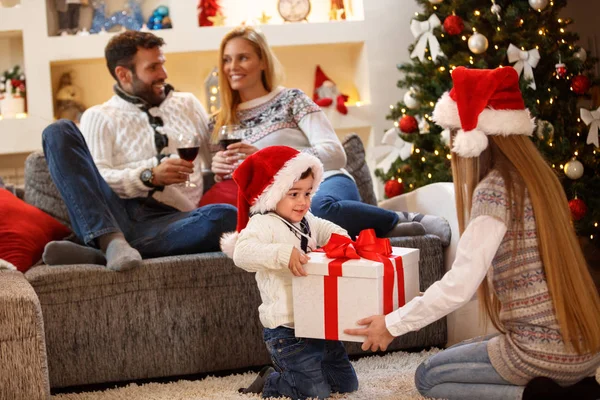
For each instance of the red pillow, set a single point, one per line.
(25, 231)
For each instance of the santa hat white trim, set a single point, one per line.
(490, 122)
(285, 179)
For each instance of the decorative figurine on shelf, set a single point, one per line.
(68, 99)
(131, 18)
(160, 19)
(294, 10)
(12, 103)
(326, 91)
(337, 11)
(68, 15)
(206, 9)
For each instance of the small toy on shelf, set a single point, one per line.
(326, 92)
(68, 99)
(68, 16)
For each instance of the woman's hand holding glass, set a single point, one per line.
(233, 152)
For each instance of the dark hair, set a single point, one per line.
(121, 49)
(306, 174)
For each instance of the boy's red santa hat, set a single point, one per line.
(482, 102)
(263, 179)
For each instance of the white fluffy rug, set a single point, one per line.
(388, 377)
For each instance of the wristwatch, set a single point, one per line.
(147, 176)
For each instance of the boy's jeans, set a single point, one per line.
(307, 367)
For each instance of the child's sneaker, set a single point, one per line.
(259, 382)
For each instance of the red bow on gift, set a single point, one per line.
(367, 245)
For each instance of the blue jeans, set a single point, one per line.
(307, 367)
(153, 228)
(338, 201)
(464, 372)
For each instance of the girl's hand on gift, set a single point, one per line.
(378, 336)
(296, 261)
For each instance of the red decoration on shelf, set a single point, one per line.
(454, 25)
(580, 84)
(393, 188)
(408, 124)
(561, 70)
(207, 8)
(577, 207)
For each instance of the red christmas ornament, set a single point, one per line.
(580, 84)
(577, 207)
(408, 124)
(561, 70)
(207, 8)
(393, 188)
(453, 25)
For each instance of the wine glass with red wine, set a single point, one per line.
(229, 134)
(189, 145)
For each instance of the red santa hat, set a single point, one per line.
(483, 102)
(263, 179)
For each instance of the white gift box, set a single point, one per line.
(326, 304)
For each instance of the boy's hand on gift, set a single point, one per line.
(296, 260)
(378, 336)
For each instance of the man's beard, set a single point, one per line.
(146, 92)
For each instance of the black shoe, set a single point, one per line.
(547, 389)
(259, 382)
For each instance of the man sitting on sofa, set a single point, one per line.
(124, 192)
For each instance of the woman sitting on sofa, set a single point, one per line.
(272, 115)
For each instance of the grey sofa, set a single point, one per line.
(72, 325)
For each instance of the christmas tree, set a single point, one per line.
(528, 35)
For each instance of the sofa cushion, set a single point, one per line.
(358, 168)
(25, 230)
(40, 190)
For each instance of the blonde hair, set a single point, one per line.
(574, 295)
(230, 99)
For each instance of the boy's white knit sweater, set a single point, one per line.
(265, 247)
(121, 141)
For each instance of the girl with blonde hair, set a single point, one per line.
(517, 245)
(271, 115)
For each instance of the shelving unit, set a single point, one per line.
(352, 53)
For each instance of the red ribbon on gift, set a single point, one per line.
(369, 246)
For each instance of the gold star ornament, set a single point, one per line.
(217, 20)
(264, 18)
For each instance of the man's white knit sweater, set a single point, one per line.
(265, 247)
(121, 141)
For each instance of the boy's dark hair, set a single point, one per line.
(306, 174)
(121, 49)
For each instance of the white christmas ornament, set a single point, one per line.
(409, 99)
(446, 137)
(423, 32)
(478, 43)
(591, 118)
(423, 125)
(525, 61)
(538, 4)
(580, 54)
(393, 147)
(574, 169)
(435, 1)
(496, 10)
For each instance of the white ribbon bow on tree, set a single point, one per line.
(423, 31)
(393, 147)
(525, 61)
(591, 118)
